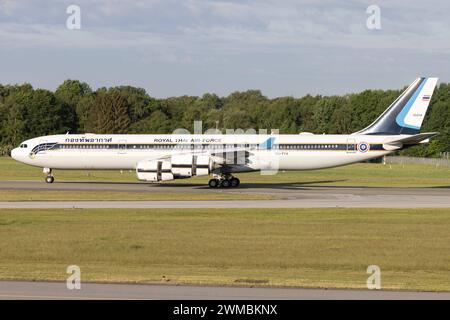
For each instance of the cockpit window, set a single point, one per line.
(24, 145)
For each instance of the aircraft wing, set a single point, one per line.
(409, 140)
(196, 162)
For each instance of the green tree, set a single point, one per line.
(323, 113)
(84, 106)
(69, 94)
(157, 122)
(71, 91)
(240, 109)
(140, 103)
(29, 113)
(109, 113)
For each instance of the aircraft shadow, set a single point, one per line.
(104, 182)
(243, 185)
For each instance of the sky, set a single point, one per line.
(190, 47)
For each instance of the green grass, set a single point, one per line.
(282, 247)
(365, 174)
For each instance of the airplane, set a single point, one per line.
(163, 157)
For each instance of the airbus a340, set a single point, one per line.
(160, 157)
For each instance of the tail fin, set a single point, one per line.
(405, 115)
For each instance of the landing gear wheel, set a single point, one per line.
(223, 180)
(226, 183)
(213, 183)
(49, 179)
(235, 182)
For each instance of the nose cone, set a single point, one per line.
(13, 153)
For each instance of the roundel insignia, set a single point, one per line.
(363, 147)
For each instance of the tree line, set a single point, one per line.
(26, 112)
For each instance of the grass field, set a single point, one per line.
(286, 247)
(375, 175)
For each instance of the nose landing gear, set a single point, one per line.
(49, 178)
(224, 181)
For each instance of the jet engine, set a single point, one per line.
(185, 166)
(154, 170)
(175, 167)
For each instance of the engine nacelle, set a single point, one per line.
(188, 165)
(154, 170)
(178, 166)
(182, 165)
(203, 165)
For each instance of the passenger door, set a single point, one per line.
(351, 145)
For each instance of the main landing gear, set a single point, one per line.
(224, 181)
(49, 178)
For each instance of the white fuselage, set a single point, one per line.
(286, 152)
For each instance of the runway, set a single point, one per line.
(288, 196)
(58, 290)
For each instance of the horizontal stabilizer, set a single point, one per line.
(409, 140)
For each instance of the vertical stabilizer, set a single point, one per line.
(405, 115)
